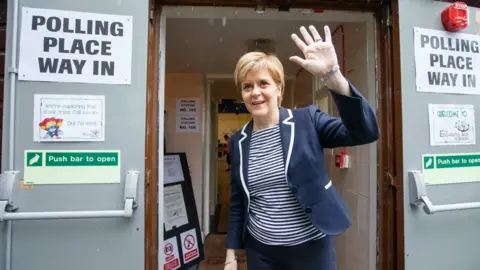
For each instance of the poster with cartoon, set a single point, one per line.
(69, 118)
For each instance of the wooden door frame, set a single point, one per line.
(390, 234)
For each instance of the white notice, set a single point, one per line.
(172, 169)
(71, 46)
(447, 62)
(188, 123)
(172, 256)
(188, 106)
(451, 124)
(174, 209)
(189, 241)
(68, 118)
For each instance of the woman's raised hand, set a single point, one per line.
(320, 56)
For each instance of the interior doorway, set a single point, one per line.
(208, 40)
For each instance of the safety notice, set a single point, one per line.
(71, 46)
(451, 168)
(171, 254)
(189, 245)
(71, 167)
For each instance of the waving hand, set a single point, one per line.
(320, 56)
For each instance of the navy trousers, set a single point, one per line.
(313, 255)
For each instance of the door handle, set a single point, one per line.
(9, 180)
(418, 196)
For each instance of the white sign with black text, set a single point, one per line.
(451, 124)
(186, 123)
(447, 62)
(71, 46)
(188, 106)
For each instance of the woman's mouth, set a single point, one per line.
(255, 103)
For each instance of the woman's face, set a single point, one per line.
(260, 93)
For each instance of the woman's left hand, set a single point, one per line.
(320, 56)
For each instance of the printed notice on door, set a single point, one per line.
(53, 167)
(71, 46)
(451, 124)
(68, 118)
(439, 169)
(447, 62)
(175, 211)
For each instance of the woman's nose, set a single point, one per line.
(256, 91)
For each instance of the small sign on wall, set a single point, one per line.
(71, 46)
(451, 124)
(188, 115)
(187, 123)
(189, 106)
(447, 62)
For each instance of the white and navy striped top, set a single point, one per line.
(276, 217)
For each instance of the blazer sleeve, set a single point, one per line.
(356, 125)
(237, 207)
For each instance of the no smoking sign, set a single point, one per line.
(189, 246)
(189, 242)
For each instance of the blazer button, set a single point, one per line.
(308, 210)
(294, 189)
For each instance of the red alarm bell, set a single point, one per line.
(342, 161)
(455, 17)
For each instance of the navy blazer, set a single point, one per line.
(304, 132)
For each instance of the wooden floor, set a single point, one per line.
(224, 195)
(214, 247)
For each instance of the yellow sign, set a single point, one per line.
(71, 167)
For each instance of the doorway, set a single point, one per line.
(202, 43)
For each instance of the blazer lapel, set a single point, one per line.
(287, 130)
(244, 149)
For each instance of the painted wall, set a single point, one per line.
(448, 240)
(102, 243)
(356, 248)
(186, 86)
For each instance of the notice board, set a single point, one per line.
(182, 245)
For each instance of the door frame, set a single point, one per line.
(390, 235)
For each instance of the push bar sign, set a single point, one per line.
(78, 47)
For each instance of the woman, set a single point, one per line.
(284, 210)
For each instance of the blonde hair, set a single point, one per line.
(255, 61)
